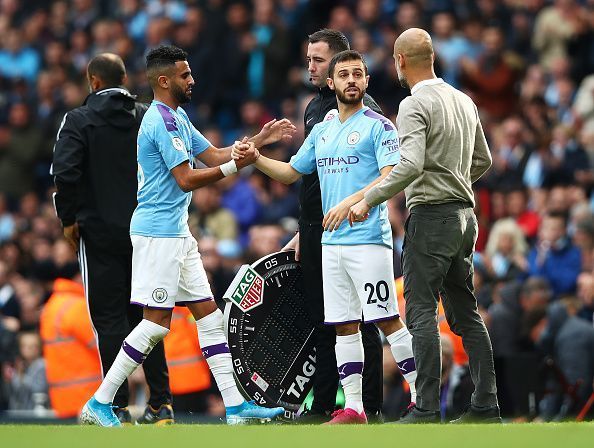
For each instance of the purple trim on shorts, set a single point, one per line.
(340, 323)
(193, 301)
(217, 349)
(168, 118)
(137, 357)
(395, 316)
(407, 366)
(151, 306)
(350, 368)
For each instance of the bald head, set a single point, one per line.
(107, 69)
(416, 46)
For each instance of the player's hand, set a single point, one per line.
(293, 245)
(251, 155)
(274, 130)
(359, 212)
(336, 215)
(239, 149)
(72, 236)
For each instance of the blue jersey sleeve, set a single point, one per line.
(387, 146)
(305, 159)
(199, 142)
(168, 140)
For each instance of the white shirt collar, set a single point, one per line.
(425, 82)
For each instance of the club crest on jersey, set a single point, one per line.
(353, 138)
(247, 289)
(160, 295)
(178, 144)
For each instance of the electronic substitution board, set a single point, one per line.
(269, 332)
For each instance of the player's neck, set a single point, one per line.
(165, 99)
(345, 111)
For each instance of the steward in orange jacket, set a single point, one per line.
(71, 358)
(188, 370)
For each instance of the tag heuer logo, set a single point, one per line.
(250, 290)
(353, 138)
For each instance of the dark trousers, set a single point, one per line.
(437, 261)
(107, 278)
(325, 381)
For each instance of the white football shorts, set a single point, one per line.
(358, 283)
(167, 271)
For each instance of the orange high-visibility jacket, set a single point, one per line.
(188, 370)
(72, 361)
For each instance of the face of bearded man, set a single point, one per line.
(349, 96)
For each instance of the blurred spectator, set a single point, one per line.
(264, 239)
(209, 218)
(266, 44)
(69, 348)
(16, 59)
(7, 226)
(9, 305)
(517, 207)
(240, 198)
(28, 389)
(19, 153)
(554, 257)
(506, 250)
(491, 79)
(569, 340)
(555, 26)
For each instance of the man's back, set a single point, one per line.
(447, 135)
(95, 165)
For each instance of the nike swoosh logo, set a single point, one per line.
(307, 122)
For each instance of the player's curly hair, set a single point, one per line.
(161, 59)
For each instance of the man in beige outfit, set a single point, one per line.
(443, 151)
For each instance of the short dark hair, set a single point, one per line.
(343, 56)
(335, 39)
(109, 68)
(563, 216)
(161, 59)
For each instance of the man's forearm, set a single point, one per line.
(393, 183)
(281, 171)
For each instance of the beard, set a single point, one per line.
(401, 78)
(344, 99)
(179, 95)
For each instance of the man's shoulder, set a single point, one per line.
(375, 118)
(371, 103)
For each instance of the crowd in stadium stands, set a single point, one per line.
(529, 66)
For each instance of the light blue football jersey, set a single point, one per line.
(166, 138)
(349, 156)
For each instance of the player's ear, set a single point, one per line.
(163, 82)
(367, 81)
(330, 83)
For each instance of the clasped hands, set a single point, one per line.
(347, 208)
(271, 132)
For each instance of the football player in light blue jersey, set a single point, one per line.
(166, 265)
(352, 151)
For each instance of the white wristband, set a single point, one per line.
(228, 168)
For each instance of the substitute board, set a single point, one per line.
(269, 332)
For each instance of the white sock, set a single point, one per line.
(137, 345)
(349, 359)
(216, 352)
(401, 344)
